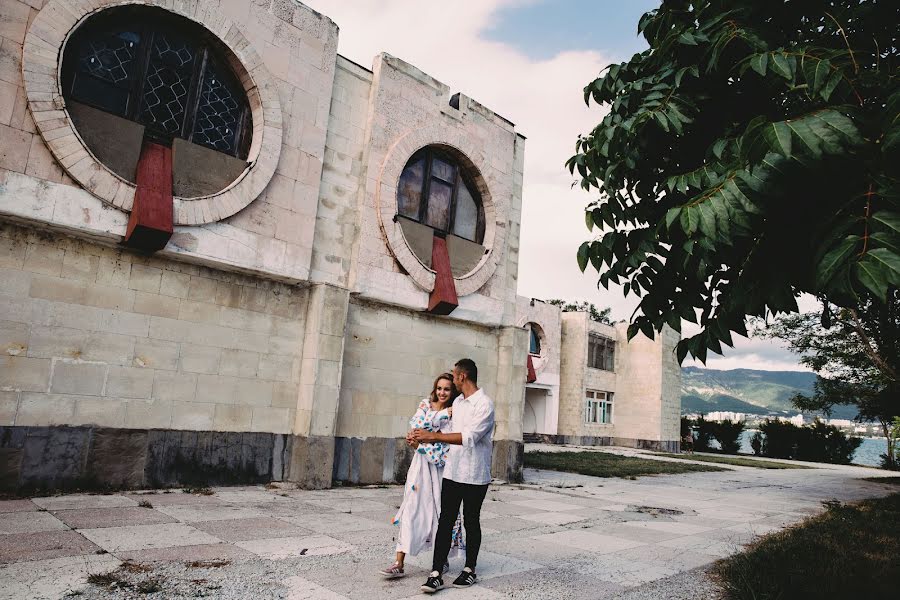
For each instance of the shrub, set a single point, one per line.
(704, 433)
(728, 434)
(686, 426)
(817, 443)
(756, 442)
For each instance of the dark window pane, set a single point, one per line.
(218, 112)
(168, 79)
(438, 213)
(465, 222)
(409, 190)
(105, 70)
(535, 347)
(443, 170)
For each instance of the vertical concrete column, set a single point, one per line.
(509, 403)
(312, 451)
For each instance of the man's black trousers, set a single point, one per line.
(452, 495)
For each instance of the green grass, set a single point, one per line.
(884, 480)
(736, 460)
(850, 551)
(604, 464)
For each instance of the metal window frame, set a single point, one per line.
(147, 22)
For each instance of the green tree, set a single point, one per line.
(748, 156)
(857, 358)
(598, 315)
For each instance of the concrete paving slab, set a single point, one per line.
(547, 505)
(280, 548)
(201, 552)
(143, 537)
(477, 592)
(628, 572)
(43, 545)
(303, 589)
(589, 540)
(552, 584)
(11, 506)
(675, 558)
(95, 518)
(350, 505)
(650, 536)
(51, 578)
(29, 522)
(249, 496)
(336, 522)
(210, 512)
(675, 527)
(176, 497)
(554, 518)
(702, 545)
(84, 501)
(239, 530)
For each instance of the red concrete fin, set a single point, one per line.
(530, 376)
(150, 223)
(443, 297)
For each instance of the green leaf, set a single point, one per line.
(881, 239)
(833, 81)
(671, 215)
(817, 72)
(719, 147)
(887, 221)
(690, 219)
(835, 260)
(707, 219)
(589, 220)
(888, 262)
(758, 63)
(871, 277)
(583, 255)
(781, 64)
(778, 136)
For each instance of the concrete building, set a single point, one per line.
(230, 254)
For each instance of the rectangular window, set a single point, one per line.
(598, 407)
(601, 353)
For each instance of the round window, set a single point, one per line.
(134, 74)
(437, 196)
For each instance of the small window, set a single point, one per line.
(601, 353)
(598, 407)
(534, 347)
(434, 191)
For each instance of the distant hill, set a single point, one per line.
(748, 391)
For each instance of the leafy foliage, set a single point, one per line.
(598, 315)
(857, 359)
(748, 156)
(728, 434)
(817, 442)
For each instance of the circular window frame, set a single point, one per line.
(473, 160)
(42, 54)
(539, 361)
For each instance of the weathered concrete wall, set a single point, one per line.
(646, 386)
(95, 336)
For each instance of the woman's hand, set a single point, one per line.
(411, 442)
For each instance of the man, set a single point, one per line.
(466, 475)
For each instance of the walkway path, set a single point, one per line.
(558, 536)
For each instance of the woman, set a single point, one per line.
(419, 512)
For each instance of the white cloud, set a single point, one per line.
(542, 97)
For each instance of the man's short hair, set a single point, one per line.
(467, 366)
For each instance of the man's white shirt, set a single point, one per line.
(473, 417)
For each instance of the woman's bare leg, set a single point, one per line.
(400, 557)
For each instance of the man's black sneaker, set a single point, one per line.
(433, 584)
(465, 579)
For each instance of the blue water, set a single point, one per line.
(869, 452)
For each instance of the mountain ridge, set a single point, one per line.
(752, 391)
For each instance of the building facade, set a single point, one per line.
(230, 254)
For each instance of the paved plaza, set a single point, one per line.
(556, 536)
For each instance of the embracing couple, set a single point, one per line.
(452, 434)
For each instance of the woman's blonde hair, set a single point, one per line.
(453, 391)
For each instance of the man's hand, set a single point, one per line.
(421, 436)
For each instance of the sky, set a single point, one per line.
(528, 61)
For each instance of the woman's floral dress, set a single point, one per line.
(418, 514)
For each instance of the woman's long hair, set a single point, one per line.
(453, 391)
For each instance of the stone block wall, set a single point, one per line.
(96, 336)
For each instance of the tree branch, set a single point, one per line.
(869, 349)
